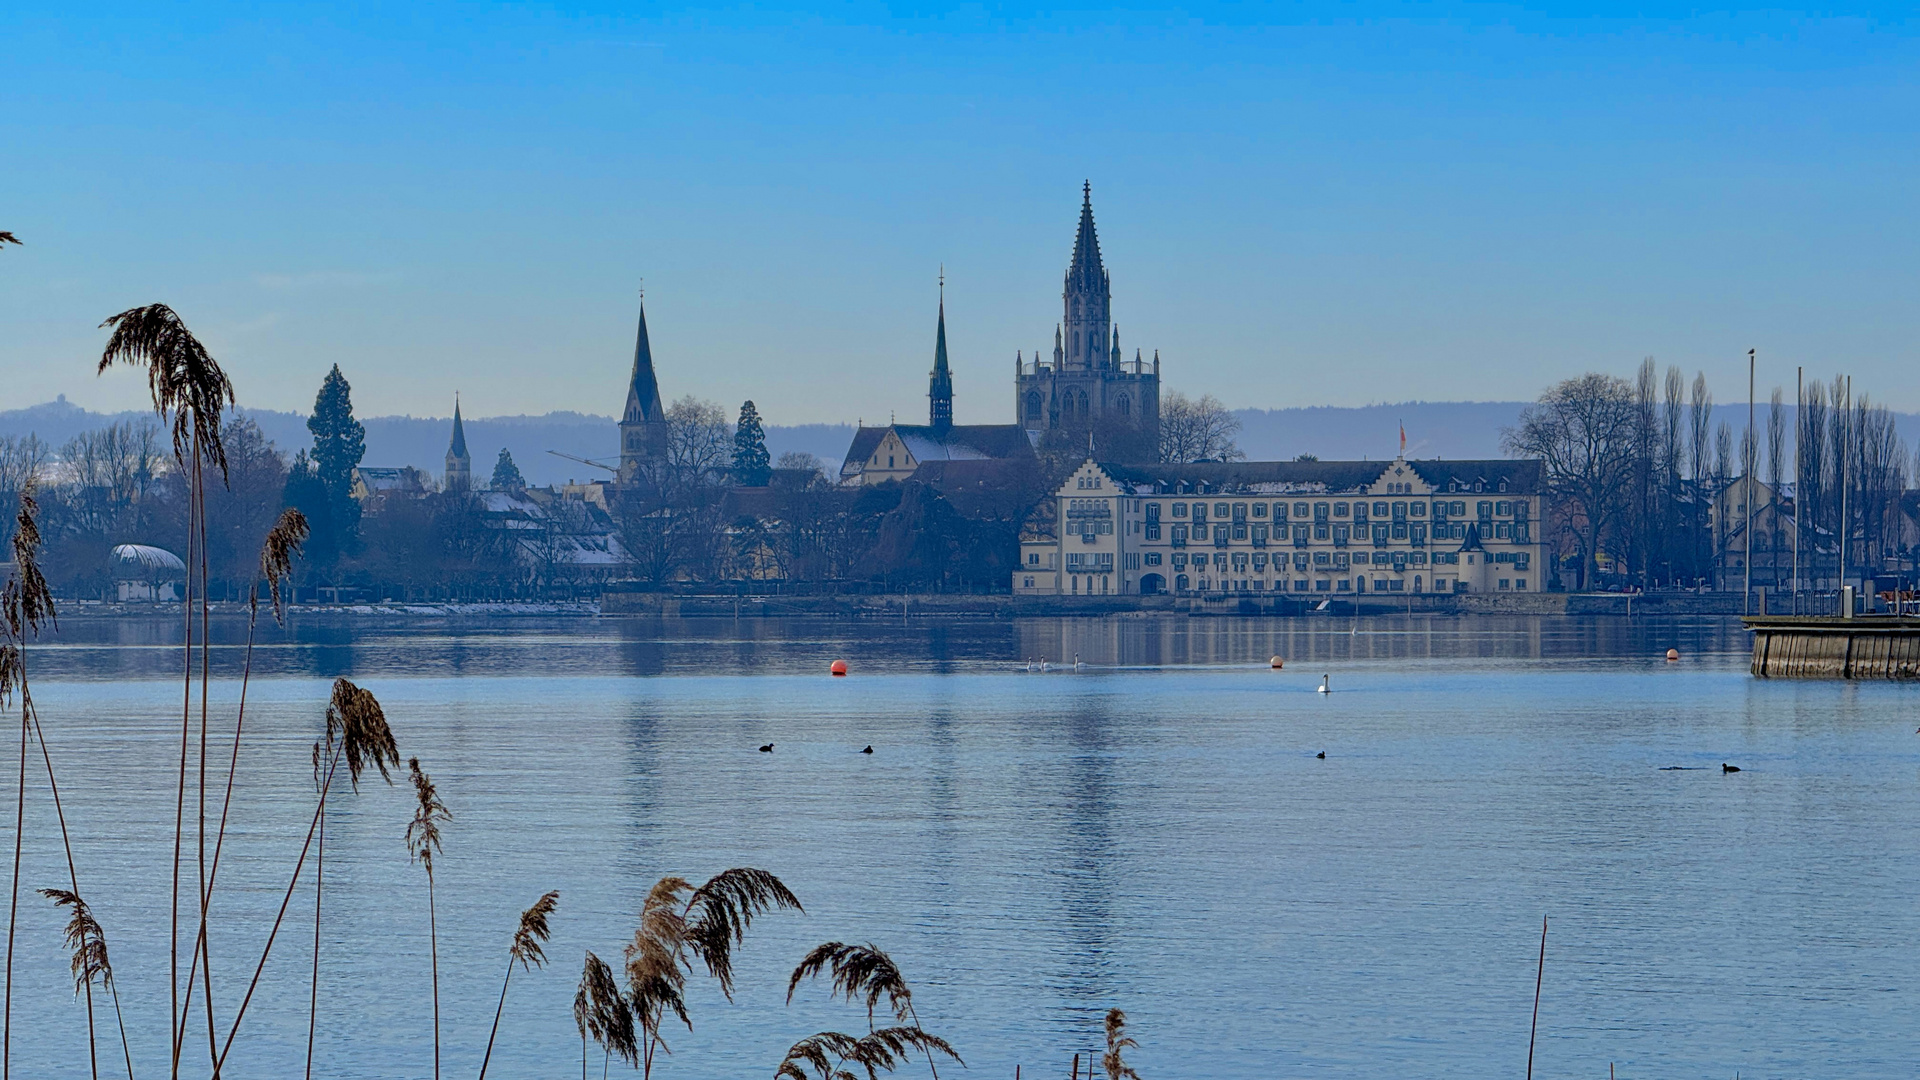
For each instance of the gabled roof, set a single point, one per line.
(961, 442)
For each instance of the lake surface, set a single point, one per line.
(1152, 831)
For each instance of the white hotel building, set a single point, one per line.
(1308, 529)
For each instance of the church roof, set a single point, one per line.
(458, 447)
(960, 442)
(643, 394)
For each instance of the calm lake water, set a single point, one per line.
(1152, 832)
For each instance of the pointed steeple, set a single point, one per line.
(458, 447)
(459, 476)
(643, 390)
(1087, 299)
(1086, 243)
(643, 425)
(940, 384)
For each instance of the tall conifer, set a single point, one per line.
(339, 442)
(751, 466)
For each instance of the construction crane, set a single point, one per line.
(586, 461)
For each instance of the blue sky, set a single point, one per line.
(1299, 203)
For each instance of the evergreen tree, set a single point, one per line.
(339, 442)
(305, 493)
(751, 466)
(506, 475)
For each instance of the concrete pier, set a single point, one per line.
(1832, 647)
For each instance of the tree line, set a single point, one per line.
(1635, 467)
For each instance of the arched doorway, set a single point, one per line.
(1151, 584)
(1181, 582)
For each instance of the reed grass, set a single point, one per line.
(680, 923)
(423, 841)
(1118, 1041)
(25, 604)
(866, 972)
(602, 1014)
(188, 385)
(526, 950)
(830, 1052)
(357, 735)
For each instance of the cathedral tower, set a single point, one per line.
(643, 426)
(940, 383)
(1089, 389)
(459, 463)
(1087, 300)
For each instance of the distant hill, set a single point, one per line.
(1445, 429)
(422, 441)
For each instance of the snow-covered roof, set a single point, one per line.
(141, 560)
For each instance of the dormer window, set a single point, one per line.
(1503, 485)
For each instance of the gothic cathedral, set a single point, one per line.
(1089, 387)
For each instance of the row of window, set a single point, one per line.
(1186, 583)
(1382, 533)
(1485, 510)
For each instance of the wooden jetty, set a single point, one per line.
(1835, 647)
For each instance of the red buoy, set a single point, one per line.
(839, 667)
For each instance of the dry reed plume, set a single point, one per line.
(90, 962)
(423, 840)
(601, 1013)
(526, 950)
(673, 932)
(830, 1052)
(182, 377)
(866, 972)
(1117, 1041)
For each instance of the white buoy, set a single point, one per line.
(1324, 688)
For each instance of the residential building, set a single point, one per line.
(1307, 529)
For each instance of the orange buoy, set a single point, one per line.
(1672, 655)
(839, 667)
(1276, 663)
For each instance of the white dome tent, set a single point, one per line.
(145, 573)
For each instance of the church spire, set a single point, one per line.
(643, 426)
(1087, 299)
(940, 384)
(643, 390)
(459, 476)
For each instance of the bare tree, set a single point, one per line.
(22, 461)
(1197, 430)
(1582, 430)
(1700, 426)
(699, 438)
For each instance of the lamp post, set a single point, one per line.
(1750, 450)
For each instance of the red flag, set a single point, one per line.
(1403, 438)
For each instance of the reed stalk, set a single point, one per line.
(357, 736)
(187, 385)
(866, 972)
(25, 603)
(1117, 1041)
(423, 842)
(526, 951)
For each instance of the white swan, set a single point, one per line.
(1324, 688)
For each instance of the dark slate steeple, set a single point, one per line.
(643, 393)
(459, 463)
(940, 384)
(643, 426)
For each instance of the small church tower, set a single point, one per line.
(643, 426)
(940, 384)
(459, 462)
